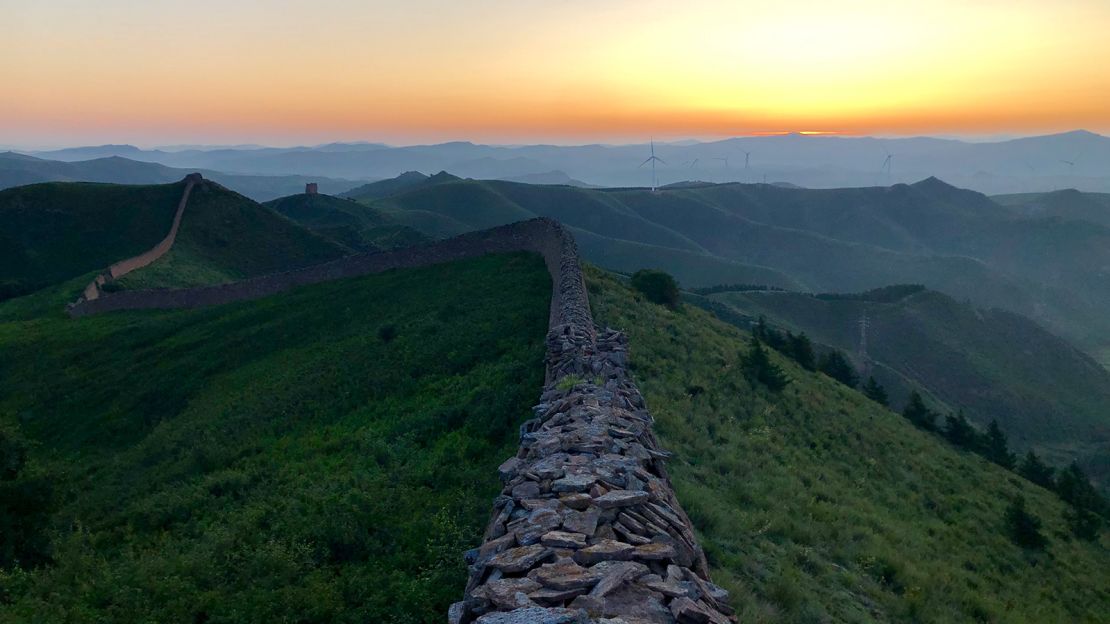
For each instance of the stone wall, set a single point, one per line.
(587, 528)
(123, 267)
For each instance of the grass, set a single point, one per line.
(53, 232)
(993, 364)
(816, 505)
(276, 460)
(226, 237)
(346, 222)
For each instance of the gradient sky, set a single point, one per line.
(281, 72)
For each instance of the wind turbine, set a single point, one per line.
(747, 159)
(723, 159)
(653, 159)
(888, 165)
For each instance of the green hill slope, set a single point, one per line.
(225, 237)
(345, 221)
(53, 232)
(385, 188)
(1067, 204)
(817, 505)
(994, 364)
(324, 455)
(827, 240)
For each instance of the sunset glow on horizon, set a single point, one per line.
(282, 72)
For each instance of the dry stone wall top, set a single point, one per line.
(587, 528)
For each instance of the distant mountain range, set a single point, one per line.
(19, 169)
(1078, 159)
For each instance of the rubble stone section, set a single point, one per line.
(587, 529)
(123, 267)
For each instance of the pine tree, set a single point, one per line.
(835, 365)
(758, 367)
(960, 432)
(801, 349)
(916, 412)
(1036, 471)
(995, 447)
(1075, 489)
(768, 335)
(875, 391)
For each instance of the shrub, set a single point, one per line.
(657, 287)
(1083, 523)
(1023, 527)
(387, 333)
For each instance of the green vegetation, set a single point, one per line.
(816, 504)
(346, 222)
(53, 232)
(819, 240)
(657, 287)
(269, 461)
(994, 365)
(226, 237)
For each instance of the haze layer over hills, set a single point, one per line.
(1077, 159)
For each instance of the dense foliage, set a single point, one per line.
(657, 287)
(282, 460)
(816, 504)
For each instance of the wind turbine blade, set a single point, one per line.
(645, 162)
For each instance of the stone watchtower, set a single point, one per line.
(310, 188)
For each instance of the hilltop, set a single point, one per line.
(50, 233)
(1068, 204)
(993, 364)
(351, 224)
(226, 237)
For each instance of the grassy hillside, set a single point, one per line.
(1067, 204)
(225, 237)
(53, 232)
(817, 505)
(346, 222)
(385, 188)
(994, 364)
(324, 455)
(842, 240)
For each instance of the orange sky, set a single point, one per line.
(282, 72)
